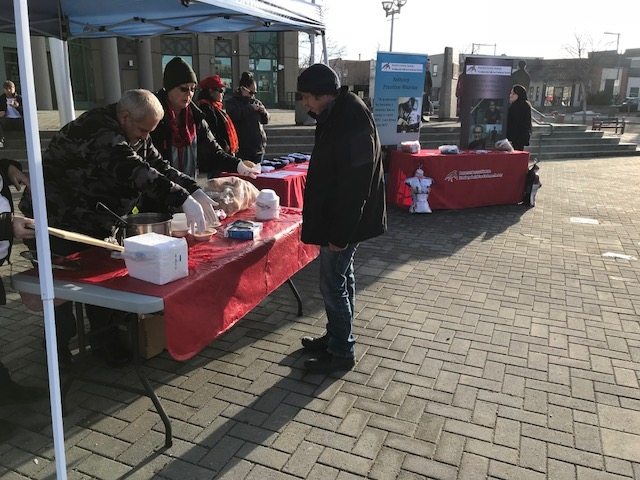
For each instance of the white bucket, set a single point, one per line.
(179, 226)
(267, 205)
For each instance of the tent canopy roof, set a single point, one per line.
(132, 18)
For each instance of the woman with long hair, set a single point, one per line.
(519, 118)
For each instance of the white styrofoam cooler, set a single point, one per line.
(156, 258)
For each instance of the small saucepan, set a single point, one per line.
(138, 223)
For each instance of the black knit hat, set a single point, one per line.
(318, 79)
(176, 73)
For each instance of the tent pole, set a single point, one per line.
(324, 48)
(62, 79)
(34, 155)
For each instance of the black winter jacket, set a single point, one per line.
(519, 123)
(252, 138)
(344, 198)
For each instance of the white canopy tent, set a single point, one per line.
(64, 19)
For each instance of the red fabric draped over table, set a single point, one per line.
(461, 180)
(227, 279)
(287, 182)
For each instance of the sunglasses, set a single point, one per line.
(219, 90)
(250, 92)
(187, 89)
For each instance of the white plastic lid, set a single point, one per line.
(267, 194)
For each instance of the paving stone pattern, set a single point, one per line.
(493, 343)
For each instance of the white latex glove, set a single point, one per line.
(207, 204)
(195, 215)
(252, 172)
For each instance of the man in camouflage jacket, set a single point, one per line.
(106, 155)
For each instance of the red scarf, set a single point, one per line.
(182, 135)
(228, 124)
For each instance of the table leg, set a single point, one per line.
(132, 328)
(297, 295)
(150, 392)
(82, 338)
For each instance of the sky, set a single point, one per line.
(542, 28)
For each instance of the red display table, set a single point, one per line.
(287, 182)
(463, 180)
(227, 279)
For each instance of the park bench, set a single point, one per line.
(611, 123)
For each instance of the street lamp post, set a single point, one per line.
(617, 34)
(474, 45)
(391, 8)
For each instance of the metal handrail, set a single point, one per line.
(541, 115)
(550, 133)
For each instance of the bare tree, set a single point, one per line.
(304, 49)
(582, 69)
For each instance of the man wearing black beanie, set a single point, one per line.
(344, 204)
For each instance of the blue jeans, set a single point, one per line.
(338, 287)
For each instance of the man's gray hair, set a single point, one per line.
(141, 104)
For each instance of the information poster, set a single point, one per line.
(484, 101)
(397, 101)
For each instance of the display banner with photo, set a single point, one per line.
(484, 102)
(397, 100)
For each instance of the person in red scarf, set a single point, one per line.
(183, 136)
(210, 102)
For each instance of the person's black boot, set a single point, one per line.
(315, 344)
(327, 363)
(113, 353)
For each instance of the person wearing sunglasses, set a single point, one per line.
(249, 115)
(183, 136)
(210, 95)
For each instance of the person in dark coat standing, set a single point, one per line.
(344, 204)
(10, 110)
(519, 118)
(249, 115)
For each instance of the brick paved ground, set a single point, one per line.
(493, 343)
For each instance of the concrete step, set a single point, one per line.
(567, 141)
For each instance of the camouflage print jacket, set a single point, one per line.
(90, 161)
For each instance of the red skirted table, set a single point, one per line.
(463, 180)
(287, 182)
(227, 279)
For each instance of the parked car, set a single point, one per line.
(630, 104)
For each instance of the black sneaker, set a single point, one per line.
(12, 392)
(327, 363)
(65, 357)
(315, 344)
(114, 354)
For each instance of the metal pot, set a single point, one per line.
(139, 223)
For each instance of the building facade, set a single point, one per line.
(101, 69)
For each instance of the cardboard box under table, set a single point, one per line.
(463, 180)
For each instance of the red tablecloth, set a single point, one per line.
(460, 181)
(227, 278)
(287, 182)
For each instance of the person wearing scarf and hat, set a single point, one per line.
(183, 136)
(210, 102)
